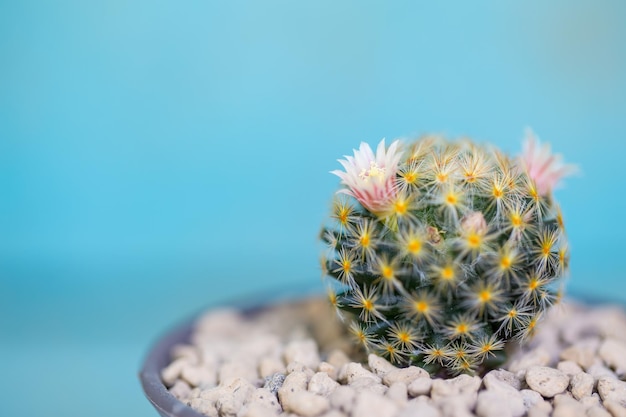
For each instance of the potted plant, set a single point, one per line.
(442, 259)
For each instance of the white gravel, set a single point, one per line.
(294, 360)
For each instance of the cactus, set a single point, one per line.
(442, 252)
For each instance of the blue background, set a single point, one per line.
(160, 156)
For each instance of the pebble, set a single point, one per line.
(404, 375)
(493, 404)
(353, 371)
(262, 397)
(370, 404)
(420, 386)
(581, 385)
(419, 409)
(566, 406)
(582, 352)
(322, 384)
(546, 381)
(271, 365)
(613, 353)
(499, 376)
(398, 393)
(463, 387)
(238, 367)
(303, 351)
(569, 368)
(342, 398)
(307, 404)
(380, 366)
(611, 389)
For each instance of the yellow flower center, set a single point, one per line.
(447, 273)
(401, 207)
(374, 172)
(421, 306)
(387, 272)
(516, 220)
(414, 246)
(365, 241)
(473, 240)
(451, 199)
(484, 296)
(410, 177)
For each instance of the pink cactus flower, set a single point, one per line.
(371, 178)
(542, 166)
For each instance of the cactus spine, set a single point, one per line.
(441, 252)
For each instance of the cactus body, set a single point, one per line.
(441, 252)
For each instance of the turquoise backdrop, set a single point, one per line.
(160, 156)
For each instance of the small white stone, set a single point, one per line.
(531, 399)
(199, 376)
(582, 352)
(235, 395)
(180, 390)
(337, 358)
(294, 383)
(212, 394)
(501, 376)
(405, 375)
(370, 404)
(456, 406)
(509, 399)
(598, 371)
(397, 392)
(271, 365)
(303, 351)
(611, 389)
(368, 385)
(300, 367)
(566, 406)
(613, 353)
(463, 387)
(172, 372)
(540, 410)
(581, 385)
(342, 398)
(598, 411)
(569, 368)
(256, 410)
(420, 386)
(263, 397)
(590, 400)
(203, 406)
(419, 409)
(380, 366)
(351, 371)
(536, 357)
(189, 352)
(234, 369)
(615, 408)
(492, 404)
(334, 413)
(328, 369)
(322, 384)
(307, 404)
(546, 381)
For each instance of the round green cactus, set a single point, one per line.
(443, 251)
